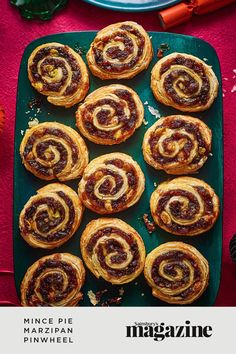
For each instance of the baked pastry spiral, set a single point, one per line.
(113, 250)
(54, 280)
(177, 273)
(58, 72)
(184, 206)
(51, 217)
(184, 82)
(177, 144)
(110, 114)
(111, 183)
(52, 150)
(120, 51)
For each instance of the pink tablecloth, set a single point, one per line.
(218, 28)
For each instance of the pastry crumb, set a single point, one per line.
(154, 112)
(100, 293)
(164, 47)
(160, 53)
(112, 301)
(142, 294)
(22, 132)
(136, 283)
(145, 122)
(155, 184)
(92, 298)
(150, 226)
(145, 103)
(234, 71)
(121, 291)
(35, 103)
(205, 59)
(210, 154)
(150, 37)
(225, 78)
(32, 123)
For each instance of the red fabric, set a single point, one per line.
(217, 28)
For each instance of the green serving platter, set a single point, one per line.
(136, 293)
(133, 5)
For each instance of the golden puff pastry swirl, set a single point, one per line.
(53, 150)
(184, 206)
(120, 51)
(58, 72)
(184, 82)
(177, 273)
(54, 280)
(111, 183)
(110, 114)
(113, 250)
(177, 144)
(51, 217)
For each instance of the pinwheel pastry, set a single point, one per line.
(51, 217)
(120, 51)
(177, 273)
(184, 206)
(111, 183)
(110, 114)
(58, 72)
(113, 250)
(52, 150)
(184, 82)
(177, 144)
(54, 280)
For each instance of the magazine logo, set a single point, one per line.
(161, 331)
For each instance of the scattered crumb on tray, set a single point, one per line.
(32, 123)
(145, 103)
(35, 103)
(164, 47)
(121, 291)
(145, 122)
(160, 53)
(100, 293)
(154, 111)
(112, 301)
(92, 298)
(150, 226)
(22, 132)
(95, 298)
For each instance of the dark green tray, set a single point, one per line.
(138, 292)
